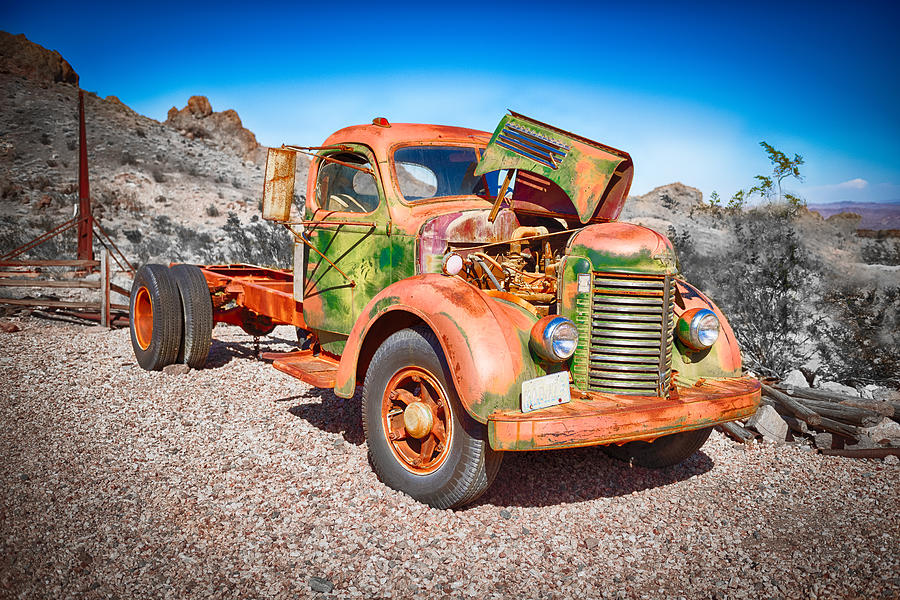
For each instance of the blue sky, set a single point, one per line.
(689, 89)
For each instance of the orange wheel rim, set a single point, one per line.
(143, 318)
(413, 385)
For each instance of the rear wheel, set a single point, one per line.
(662, 452)
(196, 305)
(421, 441)
(156, 321)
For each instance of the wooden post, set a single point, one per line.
(104, 288)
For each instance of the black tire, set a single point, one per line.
(156, 306)
(662, 452)
(196, 306)
(468, 466)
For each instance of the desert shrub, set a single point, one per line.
(861, 344)
(881, 252)
(767, 285)
(162, 224)
(212, 211)
(133, 235)
(127, 158)
(258, 243)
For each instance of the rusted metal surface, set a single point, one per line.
(595, 177)
(255, 291)
(85, 230)
(278, 185)
(317, 370)
(595, 418)
(417, 420)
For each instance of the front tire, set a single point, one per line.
(447, 462)
(662, 452)
(156, 317)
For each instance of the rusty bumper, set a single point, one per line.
(596, 418)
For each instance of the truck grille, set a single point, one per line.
(632, 323)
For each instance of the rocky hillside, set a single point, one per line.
(185, 189)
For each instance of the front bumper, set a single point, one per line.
(594, 418)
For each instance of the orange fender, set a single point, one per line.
(485, 340)
(723, 359)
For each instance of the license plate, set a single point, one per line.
(545, 391)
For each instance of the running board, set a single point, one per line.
(318, 371)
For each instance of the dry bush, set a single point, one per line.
(861, 344)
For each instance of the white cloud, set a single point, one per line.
(854, 184)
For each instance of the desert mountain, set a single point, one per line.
(164, 191)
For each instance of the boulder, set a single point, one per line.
(224, 129)
(885, 433)
(769, 424)
(795, 379)
(22, 57)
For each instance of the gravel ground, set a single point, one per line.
(239, 482)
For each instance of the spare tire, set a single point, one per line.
(196, 306)
(156, 321)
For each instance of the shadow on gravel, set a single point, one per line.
(533, 479)
(221, 353)
(330, 413)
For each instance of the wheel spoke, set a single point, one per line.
(438, 431)
(427, 450)
(425, 396)
(403, 396)
(397, 429)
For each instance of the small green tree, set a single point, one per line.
(782, 168)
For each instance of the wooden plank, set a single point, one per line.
(30, 274)
(49, 263)
(792, 406)
(124, 307)
(50, 303)
(50, 283)
(120, 290)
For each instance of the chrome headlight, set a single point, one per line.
(554, 338)
(698, 328)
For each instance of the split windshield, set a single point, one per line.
(425, 172)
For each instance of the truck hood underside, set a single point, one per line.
(566, 175)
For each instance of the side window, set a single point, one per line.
(345, 189)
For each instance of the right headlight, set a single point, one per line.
(554, 338)
(698, 328)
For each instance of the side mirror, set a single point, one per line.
(278, 188)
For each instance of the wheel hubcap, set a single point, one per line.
(417, 420)
(143, 318)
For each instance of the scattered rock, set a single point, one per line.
(176, 369)
(885, 433)
(505, 514)
(824, 441)
(838, 388)
(9, 327)
(796, 379)
(591, 542)
(321, 585)
(769, 423)
(886, 395)
(892, 459)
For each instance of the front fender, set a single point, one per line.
(722, 359)
(485, 340)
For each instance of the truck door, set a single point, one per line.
(351, 256)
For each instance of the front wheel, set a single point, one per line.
(662, 452)
(421, 441)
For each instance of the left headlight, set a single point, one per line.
(554, 338)
(698, 328)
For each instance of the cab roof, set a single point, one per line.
(381, 138)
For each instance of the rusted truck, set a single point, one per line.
(481, 291)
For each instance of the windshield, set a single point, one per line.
(436, 171)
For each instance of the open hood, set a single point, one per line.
(558, 173)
